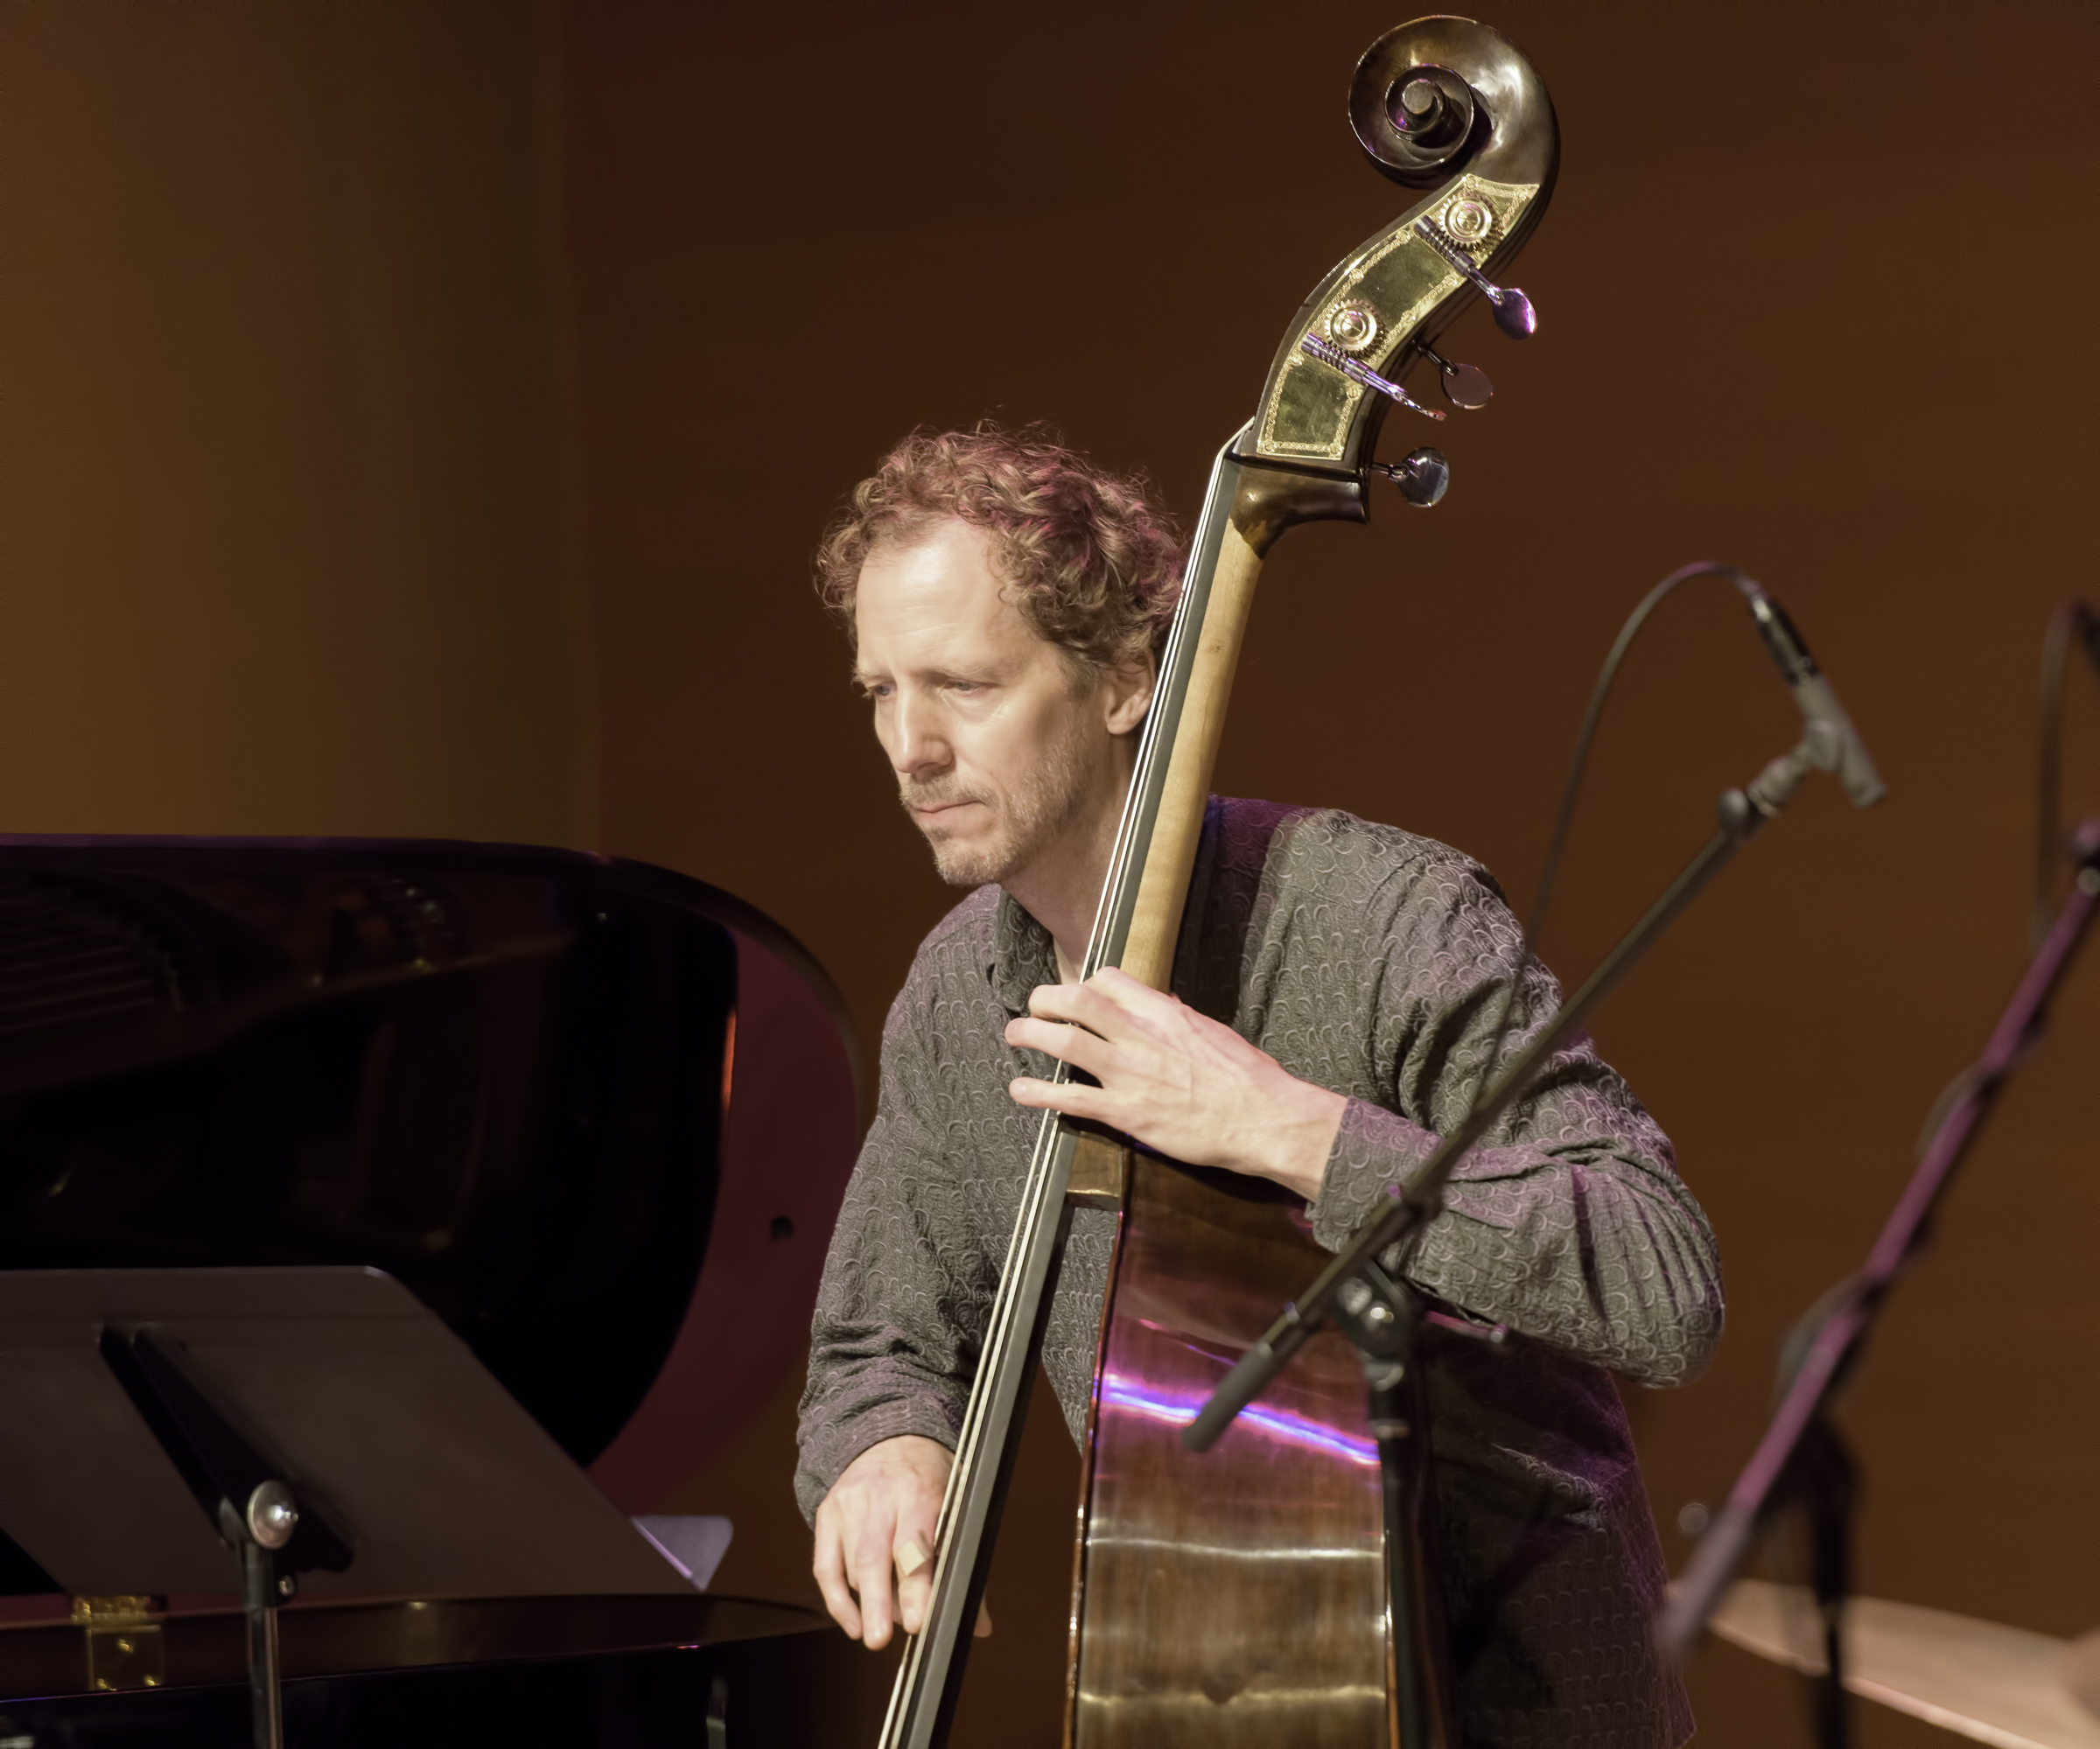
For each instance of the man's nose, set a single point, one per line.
(917, 742)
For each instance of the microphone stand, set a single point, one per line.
(1800, 1459)
(1363, 1293)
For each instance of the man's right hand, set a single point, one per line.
(879, 1520)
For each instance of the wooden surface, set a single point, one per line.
(1101, 1169)
(1234, 1597)
(1999, 1685)
(1156, 920)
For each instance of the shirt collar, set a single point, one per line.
(1023, 955)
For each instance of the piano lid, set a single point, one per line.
(598, 1116)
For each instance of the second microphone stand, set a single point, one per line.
(1362, 1291)
(1800, 1459)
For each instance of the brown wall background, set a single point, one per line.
(418, 420)
(287, 542)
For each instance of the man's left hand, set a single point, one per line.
(1176, 1080)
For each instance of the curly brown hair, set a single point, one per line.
(1093, 566)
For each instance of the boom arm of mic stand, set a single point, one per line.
(1694, 1597)
(1742, 812)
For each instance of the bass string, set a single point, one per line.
(999, 1356)
(1000, 1338)
(1006, 1323)
(1123, 863)
(1177, 665)
(909, 1698)
(1175, 662)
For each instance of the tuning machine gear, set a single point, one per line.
(1513, 312)
(1317, 345)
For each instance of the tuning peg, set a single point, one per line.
(1465, 385)
(1513, 312)
(1327, 352)
(1423, 476)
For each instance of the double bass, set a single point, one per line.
(1245, 1596)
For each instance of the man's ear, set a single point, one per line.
(1127, 693)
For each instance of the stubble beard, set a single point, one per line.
(1032, 815)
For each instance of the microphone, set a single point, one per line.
(1836, 745)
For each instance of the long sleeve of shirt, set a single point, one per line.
(1568, 1222)
(896, 1340)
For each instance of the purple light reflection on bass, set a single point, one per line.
(1179, 1409)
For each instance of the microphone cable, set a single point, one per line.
(1527, 952)
(1564, 820)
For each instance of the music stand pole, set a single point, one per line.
(258, 1598)
(242, 1493)
(1798, 1424)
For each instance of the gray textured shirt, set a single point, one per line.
(1372, 963)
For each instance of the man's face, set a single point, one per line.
(997, 758)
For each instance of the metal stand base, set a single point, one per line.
(1383, 1318)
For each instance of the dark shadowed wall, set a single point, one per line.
(1809, 296)
(285, 537)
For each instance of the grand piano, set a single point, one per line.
(597, 1116)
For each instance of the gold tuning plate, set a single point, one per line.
(1377, 307)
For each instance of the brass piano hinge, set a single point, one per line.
(124, 1649)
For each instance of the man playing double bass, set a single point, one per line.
(1007, 603)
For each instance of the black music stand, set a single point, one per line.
(336, 1436)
